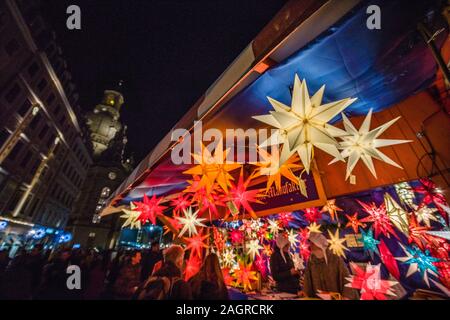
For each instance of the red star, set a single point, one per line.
(196, 244)
(285, 218)
(354, 223)
(150, 209)
(180, 203)
(241, 197)
(431, 195)
(417, 233)
(237, 237)
(379, 217)
(388, 260)
(313, 214)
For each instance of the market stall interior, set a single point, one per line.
(351, 177)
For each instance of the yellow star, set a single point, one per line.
(397, 215)
(213, 169)
(314, 227)
(335, 244)
(131, 217)
(331, 208)
(270, 167)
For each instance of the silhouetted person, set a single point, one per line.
(129, 277)
(149, 260)
(208, 284)
(283, 271)
(15, 282)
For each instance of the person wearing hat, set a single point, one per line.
(282, 267)
(325, 271)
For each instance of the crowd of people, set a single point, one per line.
(123, 275)
(155, 275)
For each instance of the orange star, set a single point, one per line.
(354, 223)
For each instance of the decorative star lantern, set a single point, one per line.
(405, 194)
(196, 244)
(267, 250)
(150, 209)
(227, 278)
(180, 203)
(304, 249)
(285, 218)
(131, 217)
(212, 169)
(369, 242)
(417, 233)
(175, 224)
(397, 215)
(425, 214)
(335, 244)
(369, 282)
(241, 197)
(419, 262)
(332, 209)
(304, 125)
(219, 241)
(261, 263)
(314, 227)
(237, 236)
(271, 167)
(363, 144)
(228, 257)
(193, 265)
(354, 223)
(312, 214)
(273, 226)
(293, 238)
(253, 248)
(379, 217)
(244, 276)
(388, 260)
(431, 194)
(190, 222)
(208, 202)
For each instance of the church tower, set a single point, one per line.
(104, 121)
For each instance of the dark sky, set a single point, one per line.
(167, 52)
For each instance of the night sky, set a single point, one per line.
(167, 52)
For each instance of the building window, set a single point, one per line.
(12, 47)
(33, 69)
(16, 150)
(13, 93)
(24, 108)
(42, 84)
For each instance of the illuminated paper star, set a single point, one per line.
(175, 224)
(335, 244)
(304, 249)
(261, 264)
(190, 222)
(363, 144)
(331, 208)
(196, 244)
(227, 278)
(267, 250)
(285, 218)
(228, 257)
(244, 276)
(369, 282)
(192, 267)
(292, 238)
(180, 203)
(274, 170)
(388, 260)
(253, 248)
(369, 242)
(424, 214)
(397, 215)
(242, 197)
(419, 262)
(304, 125)
(237, 236)
(314, 227)
(431, 194)
(150, 209)
(440, 234)
(131, 217)
(312, 214)
(354, 223)
(212, 169)
(208, 202)
(273, 226)
(417, 233)
(379, 217)
(219, 240)
(405, 193)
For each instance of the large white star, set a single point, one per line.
(425, 214)
(304, 125)
(190, 222)
(293, 239)
(273, 226)
(363, 144)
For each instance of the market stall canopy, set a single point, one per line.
(379, 67)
